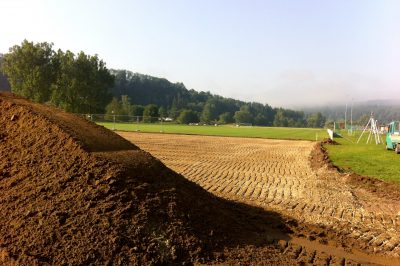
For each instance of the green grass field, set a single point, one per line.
(226, 130)
(365, 159)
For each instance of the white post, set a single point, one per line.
(114, 119)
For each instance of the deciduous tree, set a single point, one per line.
(188, 116)
(31, 70)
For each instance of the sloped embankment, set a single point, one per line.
(75, 193)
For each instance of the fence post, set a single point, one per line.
(114, 119)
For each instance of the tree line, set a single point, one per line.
(77, 83)
(135, 94)
(81, 83)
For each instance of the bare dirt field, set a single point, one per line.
(75, 193)
(335, 221)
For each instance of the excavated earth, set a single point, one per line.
(74, 193)
(340, 219)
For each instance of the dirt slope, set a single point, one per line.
(73, 193)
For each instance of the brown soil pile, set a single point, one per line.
(75, 193)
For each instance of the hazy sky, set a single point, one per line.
(283, 53)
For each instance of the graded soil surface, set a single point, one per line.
(336, 220)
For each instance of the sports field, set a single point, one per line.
(364, 159)
(224, 130)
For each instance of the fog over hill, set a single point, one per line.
(383, 110)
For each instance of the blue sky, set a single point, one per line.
(285, 53)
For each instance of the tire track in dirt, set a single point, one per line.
(277, 174)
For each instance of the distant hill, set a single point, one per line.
(384, 110)
(175, 100)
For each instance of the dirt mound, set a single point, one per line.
(74, 193)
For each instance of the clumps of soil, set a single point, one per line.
(319, 156)
(383, 189)
(74, 193)
(330, 142)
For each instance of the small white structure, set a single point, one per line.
(330, 133)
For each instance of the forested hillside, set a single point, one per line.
(136, 93)
(81, 83)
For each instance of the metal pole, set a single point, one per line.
(351, 118)
(364, 131)
(345, 118)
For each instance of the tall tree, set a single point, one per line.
(316, 120)
(82, 83)
(188, 116)
(31, 70)
(225, 118)
(115, 107)
(150, 113)
(210, 111)
(126, 104)
(244, 115)
(137, 110)
(162, 112)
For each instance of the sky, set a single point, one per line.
(283, 53)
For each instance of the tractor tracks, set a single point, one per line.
(276, 174)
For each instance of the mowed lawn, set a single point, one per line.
(365, 159)
(225, 130)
